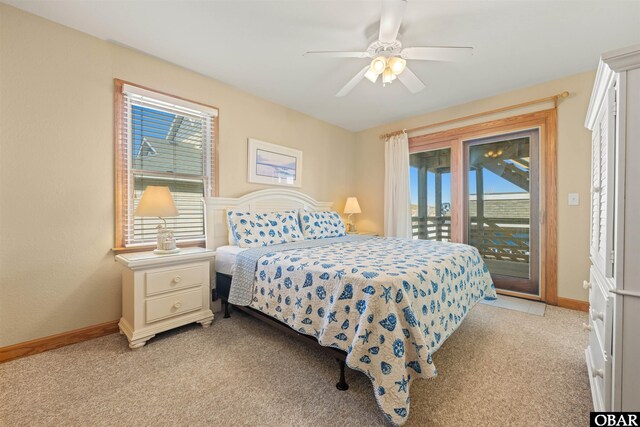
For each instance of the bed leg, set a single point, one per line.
(342, 384)
(226, 310)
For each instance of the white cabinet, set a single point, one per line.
(161, 292)
(613, 353)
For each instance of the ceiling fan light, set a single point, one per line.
(371, 75)
(387, 76)
(397, 65)
(379, 64)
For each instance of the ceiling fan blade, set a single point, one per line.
(337, 54)
(437, 53)
(353, 82)
(411, 81)
(390, 19)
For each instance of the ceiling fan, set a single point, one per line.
(389, 59)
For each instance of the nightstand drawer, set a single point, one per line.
(170, 280)
(173, 304)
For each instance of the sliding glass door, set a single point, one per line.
(483, 192)
(501, 192)
(430, 178)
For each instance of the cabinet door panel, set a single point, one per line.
(603, 189)
(595, 194)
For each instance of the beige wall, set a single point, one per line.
(56, 166)
(573, 168)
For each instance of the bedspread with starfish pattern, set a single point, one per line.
(388, 303)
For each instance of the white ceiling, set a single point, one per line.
(257, 46)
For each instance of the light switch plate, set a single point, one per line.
(574, 199)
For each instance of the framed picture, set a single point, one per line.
(274, 164)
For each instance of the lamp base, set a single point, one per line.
(166, 251)
(166, 241)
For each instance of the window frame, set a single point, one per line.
(122, 168)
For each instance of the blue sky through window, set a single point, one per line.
(148, 122)
(492, 184)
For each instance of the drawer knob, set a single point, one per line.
(586, 327)
(586, 285)
(597, 315)
(177, 279)
(177, 304)
(597, 373)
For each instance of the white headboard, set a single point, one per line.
(273, 199)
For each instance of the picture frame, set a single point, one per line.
(274, 164)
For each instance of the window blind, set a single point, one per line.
(169, 142)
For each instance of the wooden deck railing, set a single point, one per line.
(432, 227)
(505, 239)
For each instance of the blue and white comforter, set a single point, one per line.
(389, 303)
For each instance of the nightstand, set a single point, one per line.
(161, 292)
(363, 233)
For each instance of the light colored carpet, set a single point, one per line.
(501, 367)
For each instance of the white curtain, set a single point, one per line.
(397, 202)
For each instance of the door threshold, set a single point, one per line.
(518, 304)
(520, 295)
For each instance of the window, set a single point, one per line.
(430, 184)
(168, 141)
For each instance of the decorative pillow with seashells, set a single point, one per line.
(254, 229)
(322, 224)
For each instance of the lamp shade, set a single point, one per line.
(378, 64)
(371, 75)
(352, 206)
(397, 65)
(156, 202)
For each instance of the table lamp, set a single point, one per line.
(157, 202)
(351, 207)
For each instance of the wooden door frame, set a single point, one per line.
(546, 122)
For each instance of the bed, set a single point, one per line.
(383, 306)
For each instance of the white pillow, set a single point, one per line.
(319, 225)
(253, 229)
